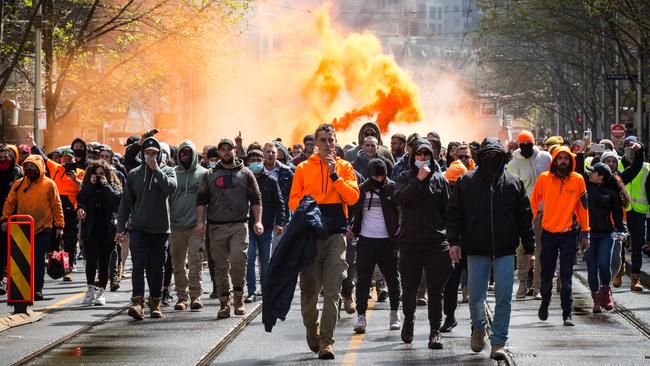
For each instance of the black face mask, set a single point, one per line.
(31, 174)
(79, 153)
(491, 166)
(375, 184)
(526, 150)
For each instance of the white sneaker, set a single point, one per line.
(100, 299)
(360, 327)
(395, 323)
(90, 296)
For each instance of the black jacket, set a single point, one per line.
(388, 207)
(295, 252)
(272, 202)
(489, 216)
(92, 199)
(422, 204)
(360, 164)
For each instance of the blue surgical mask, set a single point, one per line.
(420, 163)
(256, 167)
(212, 164)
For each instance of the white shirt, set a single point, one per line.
(271, 172)
(373, 224)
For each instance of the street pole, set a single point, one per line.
(38, 90)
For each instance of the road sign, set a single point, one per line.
(20, 242)
(618, 131)
(620, 77)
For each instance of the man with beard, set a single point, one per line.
(527, 163)
(564, 195)
(228, 192)
(369, 129)
(9, 173)
(398, 146)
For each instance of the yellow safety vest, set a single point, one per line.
(636, 189)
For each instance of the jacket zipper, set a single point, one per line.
(492, 218)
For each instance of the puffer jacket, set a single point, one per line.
(489, 216)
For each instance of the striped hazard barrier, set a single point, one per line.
(20, 261)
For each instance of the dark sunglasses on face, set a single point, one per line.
(421, 152)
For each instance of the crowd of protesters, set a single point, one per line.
(414, 220)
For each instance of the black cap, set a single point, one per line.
(600, 168)
(225, 141)
(213, 152)
(132, 140)
(376, 167)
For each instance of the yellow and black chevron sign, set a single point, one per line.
(20, 282)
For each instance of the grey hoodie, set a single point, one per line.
(183, 202)
(144, 202)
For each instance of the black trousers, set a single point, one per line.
(98, 252)
(381, 252)
(71, 229)
(351, 259)
(415, 257)
(450, 296)
(169, 269)
(116, 259)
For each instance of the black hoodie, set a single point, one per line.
(381, 149)
(422, 204)
(488, 216)
(83, 161)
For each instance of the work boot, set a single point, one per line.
(325, 349)
(635, 286)
(181, 304)
(606, 299)
(312, 339)
(435, 340)
(498, 353)
(238, 303)
(115, 285)
(407, 330)
(395, 323)
(349, 305)
(477, 342)
(67, 277)
(595, 297)
(422, 297)
(224, 312)
(522, 290)
(136, 310)
(449, 324)
(617, 281)
(196, 304)
(90, 296)
(360, 326)
(154, 307)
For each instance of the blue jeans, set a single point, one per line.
(478, 276)
(599, 261)
(41, 240)
(636, 223)
(148, 254)
(565, 245)
(263, 244)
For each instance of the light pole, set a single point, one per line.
(38, 91)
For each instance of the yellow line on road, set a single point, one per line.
(356, 341)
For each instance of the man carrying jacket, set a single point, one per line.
(332, 182)
(144, 212)
(185, 245)
(529, 162)
(375, 221)
(488, 214)
(422, 194)
(563, 193)
(228, 193)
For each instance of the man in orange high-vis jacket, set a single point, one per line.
(332, 183)
(564, 196)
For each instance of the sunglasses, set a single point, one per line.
(422, 152)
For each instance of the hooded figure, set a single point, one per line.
(529, 168)
(487, 217)
(183, 202)
(81, 152)
(287, 157)
(381, 149)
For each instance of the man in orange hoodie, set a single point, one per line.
(36, 195)
(563, 194)
(332, 183)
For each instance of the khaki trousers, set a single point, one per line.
(229, 251)
(185, 247)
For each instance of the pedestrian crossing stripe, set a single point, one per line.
(20, 240)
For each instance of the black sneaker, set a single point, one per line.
(115, 286)
(568, 322)
(3, 287)
(166, 298)
(382, 291)
(250, 299)
(435, 340)
(542, 313)
(450, 323)
(38, 296)
(407, 330)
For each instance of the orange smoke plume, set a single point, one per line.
(356, 74)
